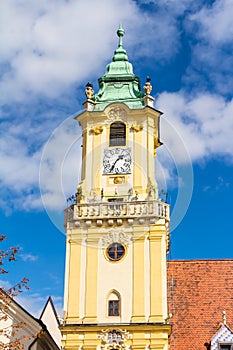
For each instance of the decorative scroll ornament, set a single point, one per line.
(118, 180)
(115, 236)
(113, 339)
(117, 113)
(96, 130)
(136, 127)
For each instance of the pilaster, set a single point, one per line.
(157, 236)
(91, 280)
(138, 154)
(138, 295)
(73, 315)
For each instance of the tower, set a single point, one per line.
(118, 230)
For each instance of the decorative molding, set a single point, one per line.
(136, 127)
(132, 210)
(156, 144)
(117, 113)
(96, 130)
(113, 338)
(119, 180)
(115, 235)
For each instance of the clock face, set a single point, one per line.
(117, 161)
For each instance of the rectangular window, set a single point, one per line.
(228, 346)
(113, 308)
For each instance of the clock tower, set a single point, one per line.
(117, 232)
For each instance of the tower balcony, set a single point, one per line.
(140, 210)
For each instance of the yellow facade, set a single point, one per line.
(142, 142)
(117, 235)
(139, 337)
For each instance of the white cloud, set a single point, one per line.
(211, 63)
(51, 45)
(28, 257)
(17, 163)
(35, 303)
(219, 185)
(215, 21)
(48, 46)
(21, 146)
(204, 122)
(18, 173)
(60, 165)
(174, 9)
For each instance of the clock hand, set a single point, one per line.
(113, 166)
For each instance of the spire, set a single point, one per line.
(224, 317)
(119, 83)
(120, 53)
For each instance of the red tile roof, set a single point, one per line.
(198, 292)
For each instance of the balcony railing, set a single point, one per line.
(100, 210)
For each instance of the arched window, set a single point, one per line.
(114, 304)
(117, 134)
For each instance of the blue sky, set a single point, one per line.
(49, 50)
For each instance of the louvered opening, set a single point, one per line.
(117, 134)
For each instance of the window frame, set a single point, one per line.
(113, 314)
(221, 345)
(118, 248)
(117, 135)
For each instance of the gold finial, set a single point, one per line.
(224, 317)
(147, 87)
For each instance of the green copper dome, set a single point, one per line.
(119, 84)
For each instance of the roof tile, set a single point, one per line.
(198, 292)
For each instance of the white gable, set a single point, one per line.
(15, 315)
(49, 318)
(223, 335)
(27, 328)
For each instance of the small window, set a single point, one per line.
(113, 308)
(113, 304)
(225, 346)
(115, 251)
(117, 134)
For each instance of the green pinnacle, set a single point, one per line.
(120, 53)
(119, 84)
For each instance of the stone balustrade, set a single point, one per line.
(101, 210)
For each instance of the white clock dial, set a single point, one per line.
(117, 161)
